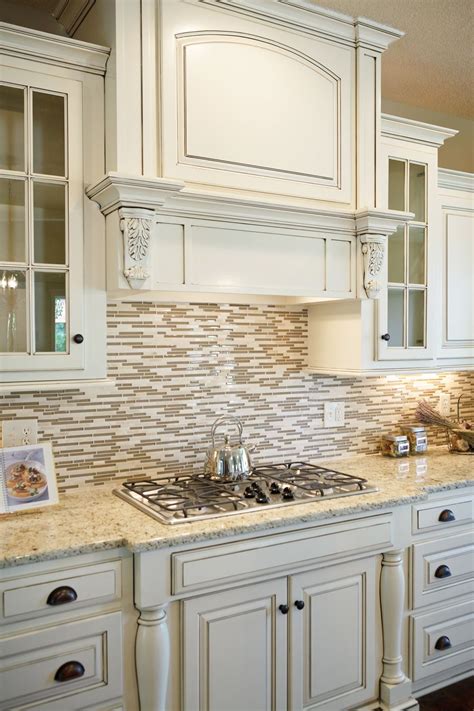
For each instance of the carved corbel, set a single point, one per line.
(136, 226)
(373, 248)
(373, 227)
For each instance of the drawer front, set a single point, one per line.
(442, 516)
(443, 569)
(61, 590)
(75, 664)
(219, 565)
(442, 640)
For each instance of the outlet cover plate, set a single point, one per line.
(18, 433)
(334, 414)
(444, 404)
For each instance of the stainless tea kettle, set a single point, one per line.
(228, 462)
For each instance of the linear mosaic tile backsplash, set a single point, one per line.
(175, 368)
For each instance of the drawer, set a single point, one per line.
(60, 590)
(218, 565)
(442, 640)
(443, 569)
(442, 516)
(91, 651)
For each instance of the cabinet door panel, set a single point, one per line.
(332, 638)
(235, 650)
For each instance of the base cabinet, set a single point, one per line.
(303, 642)
(235, 649)
(332, 641)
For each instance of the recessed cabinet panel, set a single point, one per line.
(254, 106)
(459, 289)
(417, 192)
(50, 312)
(12, 127)
(339, 265)
(396, 184)
(12, 220)
(396, 256)
(396, 317)
(49, 144)
(416, 318)
(416, 255)
(236, 76)
(259, 260)
(13, 312)
(169, 254)
(49, 229)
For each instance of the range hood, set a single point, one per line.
(242, 151)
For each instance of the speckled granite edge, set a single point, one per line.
(92, 519)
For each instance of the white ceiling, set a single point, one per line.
(431, 67)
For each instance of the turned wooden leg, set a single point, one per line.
(395, 687)
(153, 658)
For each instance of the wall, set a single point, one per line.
(177, 367)
(458, 152)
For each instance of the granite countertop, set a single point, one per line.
(92, 519)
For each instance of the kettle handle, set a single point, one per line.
(220, 421)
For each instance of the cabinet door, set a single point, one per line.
(405, 310)
(332, 658)
(41, 220)
(235, 649)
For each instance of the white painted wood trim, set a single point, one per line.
(415, 131)
(153, 658)
(455, 180)
(26, 43)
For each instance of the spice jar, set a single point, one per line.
(395, 445)
(417, 439)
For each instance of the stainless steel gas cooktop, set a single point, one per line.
(183, 499)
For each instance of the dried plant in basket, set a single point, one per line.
(460, 432)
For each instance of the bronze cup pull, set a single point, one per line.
(446, 515)
(443, 643)
(61, 595)
(443, 571)
(69, 671)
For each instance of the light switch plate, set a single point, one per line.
(17, 433)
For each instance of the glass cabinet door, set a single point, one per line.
(40, 236)
(406, 257)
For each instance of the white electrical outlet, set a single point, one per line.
(444, 404)
(16, 433)
(333, 414)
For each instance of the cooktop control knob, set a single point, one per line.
(249, 493)
(275, 488)
(262, 498)
(288, 495)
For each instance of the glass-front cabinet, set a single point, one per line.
(404, 308)
(41, 189)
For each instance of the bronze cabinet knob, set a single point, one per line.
(446, 515)
(61, 595)
(443, 643)
(69, 671)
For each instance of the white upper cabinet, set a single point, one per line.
(240, 164)
(48, 148)
(401, 330)
(456, 191)
(248, 105)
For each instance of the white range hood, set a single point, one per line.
(242, 149)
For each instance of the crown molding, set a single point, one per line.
(415, 131)
(115, 191)
(304, 16)
(26, 43)
(455, 180)
(380, 222)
